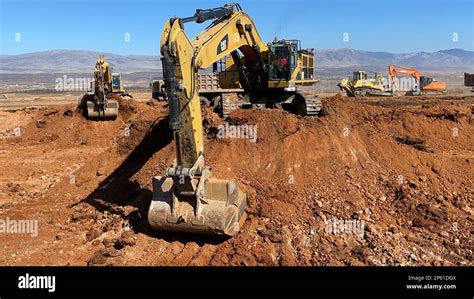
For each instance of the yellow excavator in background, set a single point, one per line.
(361, 86)
(187, 198)
(98, 102)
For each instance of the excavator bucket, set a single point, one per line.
(95, 111)
(220, 209)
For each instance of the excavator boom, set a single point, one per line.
(394, 70)
(188, 198)
(255, 73)
(425, 84)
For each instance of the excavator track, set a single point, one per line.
(314, 106)
(306, 104)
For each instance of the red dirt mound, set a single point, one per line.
(303, 177)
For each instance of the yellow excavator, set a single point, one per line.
(284, 67)
(99, 103)
(252, 74)
(187, 198)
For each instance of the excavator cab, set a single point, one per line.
(425, 81)
(430, 84)
(289, 64)
(117, 82)
(282, 60)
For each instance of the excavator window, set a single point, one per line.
(359, 76)
(425, 81)
(280, 63)
(116, 82)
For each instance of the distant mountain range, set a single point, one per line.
(76, 61)
(445, 59)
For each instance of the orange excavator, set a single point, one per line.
(424, 84)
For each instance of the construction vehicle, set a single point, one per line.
(469, 80)
(99, 102)
(223, 91)
(283, 68)
(256, 74)
(187, 198)
(423, 84)
(361, 86)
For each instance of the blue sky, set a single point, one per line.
(394, 26)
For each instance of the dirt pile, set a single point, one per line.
(347, 189)
(65, 126)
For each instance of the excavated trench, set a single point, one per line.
(363, 164)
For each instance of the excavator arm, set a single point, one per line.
(425, 84)
(394, 70)
(187, 198)
(233, 30)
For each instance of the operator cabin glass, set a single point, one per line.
(359, 76)
(355, 76)
(116, 82)
(280, 63)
